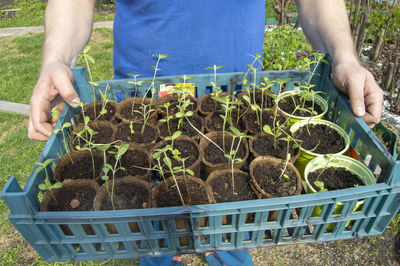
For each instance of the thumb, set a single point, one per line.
(356, 97)
(63, 83)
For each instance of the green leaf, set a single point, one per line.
(176, 134)
(43, 186)
(252, 68)
(267, 129)
(167, 162)
(90, 59)
(47, 162)
(122, 149)
(190, 172)
(37, 170)
(235, 131)
(57, 185)
(67, 124)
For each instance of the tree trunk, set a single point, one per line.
(281, 7)
(354, 24)
(361, 34)
(379, 45)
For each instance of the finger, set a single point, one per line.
(35, 135)
(63, 82)
(356, 95)
(374, 102)
(39, 119)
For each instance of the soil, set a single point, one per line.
(335, 178)
(288, 105)
(127, 197)
(273, 182)
(222, 187)
(263, 145)
(173, 108)
(208, 104)
(103, 136)
(253, 125)
(124, 133)
(187, 150)
(169, 197)
(89, 111)
(131, 160)
(214, 122)
(325, 139)
(80, 168)
(66, 201)
(268, 101)
(185, 128)
(214, 155)
(137, 114)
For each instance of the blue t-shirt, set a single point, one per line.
(194, 33)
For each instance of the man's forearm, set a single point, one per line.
(68, 25)
(326, 25)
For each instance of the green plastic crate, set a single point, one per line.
(158, 233)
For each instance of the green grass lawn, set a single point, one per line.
(18, 154)
(31, 13)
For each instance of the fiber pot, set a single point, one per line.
(188, 148)
(213, 157)
(351, 165)
(79, 165)
(307, 155)
(194, 191)
(318, 100)
(92, 110)
(141, 104)
(260, 169)
(105, 131)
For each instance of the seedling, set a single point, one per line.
(320, 184)
(168, 117)
(121, 150)
(54, 114)
(232, 155)
(88, 58)
(162, 154)
(136, 83)
(47, 185)
(183, 100)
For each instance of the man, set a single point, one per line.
(195, 34)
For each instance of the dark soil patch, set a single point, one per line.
(131, 161)
(137, 113)
(222, 187)
(185, 127)
(214, 155)
(127, 197)
(264, 146)
(168, 196)
(93, 111)
(273, 182)
(208, 104)
(173, 108)
(288, 105)
(82, 196)
(214, 122)
(324, 139)
(124, 133)
(187, 150)
(258, 97)
(335, 178)
(102, 134)
(253, 125)
(80, 168)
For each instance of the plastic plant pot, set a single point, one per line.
(306, 155)
(294, 118)
(352, 165)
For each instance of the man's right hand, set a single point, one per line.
(53, 89)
